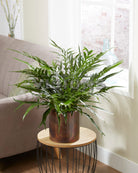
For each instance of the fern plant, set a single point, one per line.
(66, 84)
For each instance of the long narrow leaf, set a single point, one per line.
(45, 114)
(29, 109)
(27, 63)
(94, 123)
(92, 111)
(20, 105)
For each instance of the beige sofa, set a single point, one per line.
(16, 136)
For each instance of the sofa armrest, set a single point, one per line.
(18, 135)
(23, 97)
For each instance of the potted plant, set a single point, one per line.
(11, 13)
(68, 87)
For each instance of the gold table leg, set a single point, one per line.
(57, 153)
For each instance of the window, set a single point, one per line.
(99, 25)
(109, 24)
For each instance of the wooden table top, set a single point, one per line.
(87, 136)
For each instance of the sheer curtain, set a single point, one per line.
(63, 22)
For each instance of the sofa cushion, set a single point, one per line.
(8, 63)
(2, 96)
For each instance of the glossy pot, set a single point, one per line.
(68, 132)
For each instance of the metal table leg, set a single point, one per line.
(82, 159)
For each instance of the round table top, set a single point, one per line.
(87, 136)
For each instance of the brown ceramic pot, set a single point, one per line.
(69, 132)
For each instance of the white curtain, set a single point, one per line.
(3, 23)
(64, 23)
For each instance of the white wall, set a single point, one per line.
(36, 21)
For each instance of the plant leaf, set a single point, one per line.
(29, 109)
(45, 114)
(94, 123)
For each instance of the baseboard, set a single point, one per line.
(116, 161)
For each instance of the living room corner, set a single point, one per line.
(103, 30)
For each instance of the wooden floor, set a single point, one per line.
(26, 163)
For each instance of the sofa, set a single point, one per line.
(17, 136)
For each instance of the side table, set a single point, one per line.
(79, 156)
